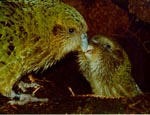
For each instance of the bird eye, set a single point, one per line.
(71, 30)
(107, 46)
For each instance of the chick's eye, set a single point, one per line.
(71, 30)
(107, 46)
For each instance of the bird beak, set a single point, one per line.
(84, 42)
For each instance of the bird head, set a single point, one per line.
(69, 30)
(106, 53)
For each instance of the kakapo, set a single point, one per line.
(106, 66)
(36, 34)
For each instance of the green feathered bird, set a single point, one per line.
(36, 34)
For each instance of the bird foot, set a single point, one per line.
(23, 86)
(26, 98)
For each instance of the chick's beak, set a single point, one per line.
(84, 42)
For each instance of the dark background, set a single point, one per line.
(126, 20)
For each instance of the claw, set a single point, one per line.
(23, 86)
(22, 99)
(26, 98)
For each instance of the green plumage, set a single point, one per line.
(35, 34)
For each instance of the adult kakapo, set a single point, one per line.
(36, 34)
(107, 68)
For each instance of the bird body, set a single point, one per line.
(107, 68)
(36, 34)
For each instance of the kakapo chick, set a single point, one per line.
(107, 68)
(36, 34)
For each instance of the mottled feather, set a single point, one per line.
(36, 34)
